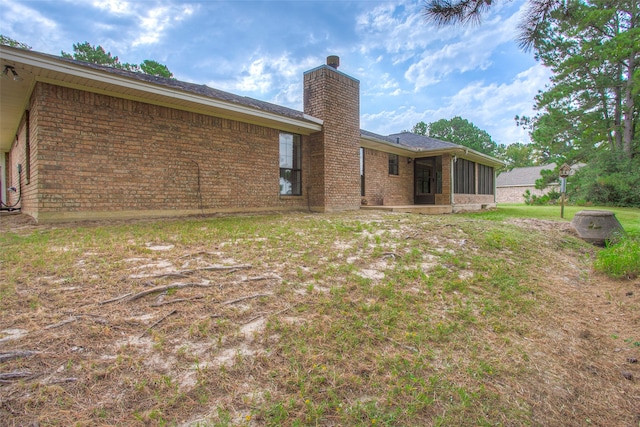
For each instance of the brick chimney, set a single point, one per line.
(334, 97)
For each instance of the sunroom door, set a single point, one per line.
(425, 181)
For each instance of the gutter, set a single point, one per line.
(416, 152)
(36, 60)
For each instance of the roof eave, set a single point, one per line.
(57, 71)
(413, 152)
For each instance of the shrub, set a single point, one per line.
(620, 258)
(608, 180)
(551, 198)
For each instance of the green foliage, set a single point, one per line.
(608, 180)
(8, 41)
(621, 258)
(459, 131)
(519, 155)
(98, 55)
(550, 198)
(589, 113)
(154, 68)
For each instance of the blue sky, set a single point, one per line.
(409, 70)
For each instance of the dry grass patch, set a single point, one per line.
(294, 320)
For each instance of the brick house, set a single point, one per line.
(511, 185)
(81, 141)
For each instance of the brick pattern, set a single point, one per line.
(335, 98)
(27, 189)
(106, 154)
(98, 156)
(515, 194)
(384, 189)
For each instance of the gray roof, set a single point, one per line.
(412, 140)
(522, 176)
(192, 88)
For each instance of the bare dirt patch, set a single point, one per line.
(163, 328)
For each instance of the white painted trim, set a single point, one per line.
(33, 59)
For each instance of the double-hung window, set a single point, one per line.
(394, 163)
(290, 165)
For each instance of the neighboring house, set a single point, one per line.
(83, 141)
(511, 185)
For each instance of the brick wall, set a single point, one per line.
(515, 194)
(382, 188)
(100, 156)
(334, 97)
(25, 182)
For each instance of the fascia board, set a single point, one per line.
(390, 147)
(31, 59)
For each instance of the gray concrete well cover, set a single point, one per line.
(596, 226)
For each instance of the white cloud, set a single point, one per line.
(396, 28)
(388, 122)
(152, 22)
(116, 7)
(472, 51)
(279, 79)
(496, 105)
(27, 25)
(491, 107)
(157, 21)
(254, 78)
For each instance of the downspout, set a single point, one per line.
(495, 196)
(451, 190)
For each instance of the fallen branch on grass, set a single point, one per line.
(114, 299)
(166, 288)
(163, 288)
(64, 322)
(6, 377)
(156, 323)
(223, 267)
(257, 279)
(173, 301)
(245, 298)
(10, 355)
(182, 274)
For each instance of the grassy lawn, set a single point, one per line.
(353, 319)
(628, 217)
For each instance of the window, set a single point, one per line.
(393, 164)
(464, 176)
(485, 179)
(362, 193)
(290, 164)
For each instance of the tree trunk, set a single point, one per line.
(627, 138)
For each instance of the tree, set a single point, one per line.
(519, 155)
(444, 12)
(590, 112)
(98, 55)
(593, 102)
(155, 68)
(8, 41)
(459, 131)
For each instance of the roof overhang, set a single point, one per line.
(33, 67)
(416, 153)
